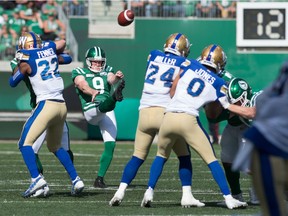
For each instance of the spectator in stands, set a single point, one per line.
(49, 7)
(124, 3)
(20, 2)
(2, 18)
(27, 11)
(174, 8)
(76, 7)
(39, 4)
(226, 8)
(137, 6)
(107, 5)
(151, 8)
(15, 23)
(8, 5)
(7, 44)
(24, 29)
(205, 8)
(52, 27)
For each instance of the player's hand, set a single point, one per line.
(119, 75)
(18, 56)
(94, 94)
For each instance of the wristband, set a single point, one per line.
(67, 58)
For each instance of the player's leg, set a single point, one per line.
(54, 135)
(36, 148)
(108, 129)
(110, 102)
(32, 129)
(148, 126)
(117, 93)
(182, 151)
(165, 144)
(65, 141)
(229, 148)
(198, 139)
(93, 117)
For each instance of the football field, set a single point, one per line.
(14, 179)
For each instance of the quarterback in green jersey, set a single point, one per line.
(239, 93)
(98, 97)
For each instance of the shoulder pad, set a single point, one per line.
(108, 68)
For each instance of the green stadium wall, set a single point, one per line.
(130, 55)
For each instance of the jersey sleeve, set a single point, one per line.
(13, 64)
(22, 55)
(109, 69)
(77, 72)
(222, 96)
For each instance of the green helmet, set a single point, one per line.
(239, 90)
(95, 54)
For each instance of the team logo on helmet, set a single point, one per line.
(29, 40)
(214, 57)
(177, 44)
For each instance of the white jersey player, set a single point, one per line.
(40, 64)
(196, 86)
(65, 142)
(161, 70)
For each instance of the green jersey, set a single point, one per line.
(95, 80)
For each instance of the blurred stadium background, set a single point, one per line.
(127, 49)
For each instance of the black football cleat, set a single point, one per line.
(117, 94)
(99, 183)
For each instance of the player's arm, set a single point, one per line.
(215, 112)
(174, 84)
(64, 58)
(60, 46)
(114, 78)
(83, 86)
(19, 75)
(245, 112)
(14, 65)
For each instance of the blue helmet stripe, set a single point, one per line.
(175, 40)
(211, 51)
(34, 39)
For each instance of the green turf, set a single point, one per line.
(14, 179)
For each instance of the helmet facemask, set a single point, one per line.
(239, 92)
(96, 68)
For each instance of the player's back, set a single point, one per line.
(45, 78)
(196, 87)
(162, 68)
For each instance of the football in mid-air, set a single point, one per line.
(125, 17)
